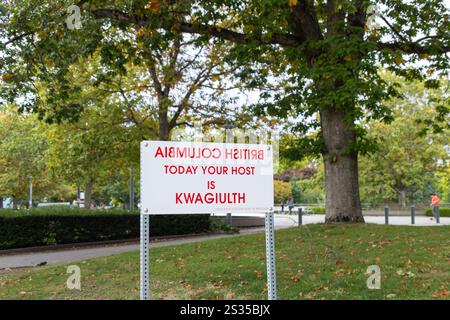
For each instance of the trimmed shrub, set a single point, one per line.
(47, 226)
(317, 210)
(443, 212)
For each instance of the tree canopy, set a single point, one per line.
(317, 60)
(406, 163)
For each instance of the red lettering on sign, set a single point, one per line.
(210, 198)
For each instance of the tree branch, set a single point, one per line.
(168, 78)
(186, 27)
(394, 30)
(18, 38)
(303, 21)
(413, 48)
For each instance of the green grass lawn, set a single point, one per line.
(313, 262)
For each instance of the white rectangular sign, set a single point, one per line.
(198, 177)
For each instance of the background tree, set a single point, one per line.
(102, 139)
(282, 192)
(406, 164)
(153, 76)
(87, 151)
(444, 181)
(22, 158)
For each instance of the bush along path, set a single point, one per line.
(61, 225)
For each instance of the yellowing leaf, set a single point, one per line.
(154, 6)
(348, 58)
(292, 3)
(7, 77)
(399, 60)
(258, 274)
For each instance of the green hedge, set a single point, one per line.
(444, 212)
(317, 210)
(59, 225)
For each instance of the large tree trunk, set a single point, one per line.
(14, 202)
(88, 194)
(1, 202)
(341, 168)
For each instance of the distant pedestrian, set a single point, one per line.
(435, 201)
(290, 205)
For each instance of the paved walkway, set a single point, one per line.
(281, 221)
(393, 220)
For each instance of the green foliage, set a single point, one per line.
(443, 184)
(443, 212)
(317, 61)
(406, 164)
(307, 191)
(334, 63)
(59, 225)
(282, 191)
(310, 190)
(316, 210)
(23, 159)
(93, 147)
(218, 224)
(116, 188)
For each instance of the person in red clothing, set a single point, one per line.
(435, 201)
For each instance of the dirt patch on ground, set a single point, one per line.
(185, 291)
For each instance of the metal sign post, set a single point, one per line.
(386, 215)
(270, 257)
(145, 248)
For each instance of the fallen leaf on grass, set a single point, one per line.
(340, 272)
(322, 288)
(407, 274)
(443, 293)
(258, 274)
